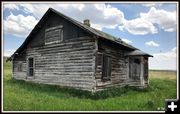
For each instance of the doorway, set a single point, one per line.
(134, 68)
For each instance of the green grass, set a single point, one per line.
(26, 96)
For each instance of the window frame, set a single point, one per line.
(19, 67)
(106, 75)
(33, 67)
(60, 30)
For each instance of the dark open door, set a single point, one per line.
(134, 68)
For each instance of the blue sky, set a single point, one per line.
(151, 27)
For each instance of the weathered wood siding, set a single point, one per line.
(134, 71)
(69, 30)
(142, 80)
(70, 63)
(119, 66)
(19, 74)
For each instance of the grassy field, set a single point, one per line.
(26, 96)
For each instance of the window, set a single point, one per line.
(19, 67)
(54, 35)
(30, 66)
(106, 67)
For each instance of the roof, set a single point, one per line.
(94, 31)
(88, 29)
(138, 52)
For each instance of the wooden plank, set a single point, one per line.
(63, 65)
(118, 70)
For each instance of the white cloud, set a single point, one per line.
(138, 26)
(145, 24)
(9, 52)
(100, 15)
(152, 44)
(19, 25)
(165, 61)
(164, 19)
(152, 4)
(11, 6)
(127, 41)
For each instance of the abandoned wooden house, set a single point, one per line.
(62, 51)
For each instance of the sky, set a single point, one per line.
(150, 27)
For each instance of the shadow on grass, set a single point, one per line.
(57, 91)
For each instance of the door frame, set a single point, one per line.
(141, 58)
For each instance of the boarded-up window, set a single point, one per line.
(30, 66)
(54, 35)
(106, 67)
(19, 67)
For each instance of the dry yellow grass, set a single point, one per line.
(159, 74)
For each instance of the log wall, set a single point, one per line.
(19, 74)
(77, 63)
(70, 63)
(118, 66)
